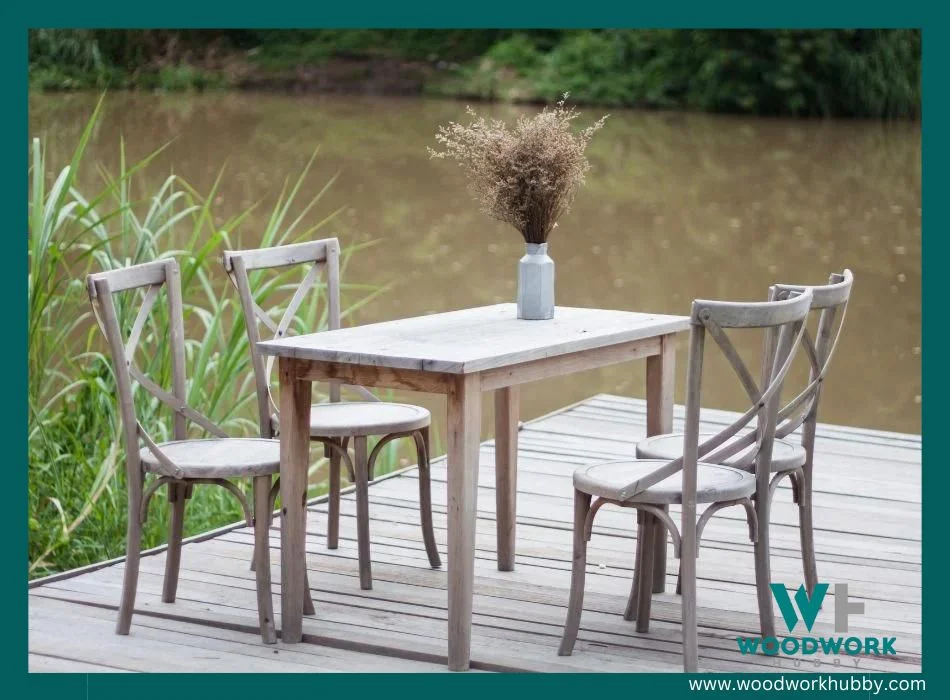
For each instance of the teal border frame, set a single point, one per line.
(429, 14)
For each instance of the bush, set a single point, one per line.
(592, 67)
(881, 77)
(517, 52)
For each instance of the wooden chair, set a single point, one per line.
(789, 458)
(181, 463)
(650, 486)
(336, 423)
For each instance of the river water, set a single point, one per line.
(676, 207)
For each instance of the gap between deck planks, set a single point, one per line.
(867, 504)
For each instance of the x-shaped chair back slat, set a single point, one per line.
(781, 340)
(830, 304)
(150, 278)
(319, 256)
(783, 324)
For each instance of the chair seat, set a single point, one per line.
(353, 418)
(786, 455)
(218, 458)
(713, 482)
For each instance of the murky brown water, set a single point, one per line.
(676, 207)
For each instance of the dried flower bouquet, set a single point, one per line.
(526, 176)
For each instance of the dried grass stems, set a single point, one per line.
(526, 176)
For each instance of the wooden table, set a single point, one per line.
(459, 354)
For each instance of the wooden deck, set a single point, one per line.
(867, 514)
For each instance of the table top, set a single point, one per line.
(474, 340)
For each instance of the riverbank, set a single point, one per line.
(829, 73)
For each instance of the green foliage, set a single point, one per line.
(839, 72)
(517, 52)
(592, 67)
(804, 73)
(67, 59)
(77, 502)
(276, 49)
(883, 78)
(874, 73)
(77, 59)
(182, 77)
(76, 48)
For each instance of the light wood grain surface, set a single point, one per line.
(474, 340)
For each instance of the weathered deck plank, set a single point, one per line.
(867, 513)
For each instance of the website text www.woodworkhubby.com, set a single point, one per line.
(866, 684)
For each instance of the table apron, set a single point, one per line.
(489, 379)
(560, 365)
(377, 377)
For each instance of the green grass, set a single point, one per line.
(77, 500)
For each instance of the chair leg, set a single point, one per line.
(351, 475)
(425, 497)
(763, 573)
(333, 507)
(176, 519)
(630, 613)
(645, 566)
(578, 571)
(807, 532)
(253, 566)
(133, 544)
(262, 516)
(361, 464)
(659, 555)
(688, 583)
(308, 608)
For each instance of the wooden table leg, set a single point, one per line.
(661, 382)
(506, 474)
(294, 463)
(464, 432)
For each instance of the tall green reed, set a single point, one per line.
(77, 505)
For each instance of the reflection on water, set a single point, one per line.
(675, 207)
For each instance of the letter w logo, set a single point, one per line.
(808, 607)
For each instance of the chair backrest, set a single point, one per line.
(316, 257)
(830, 304)
(782, 322)
(149, 279)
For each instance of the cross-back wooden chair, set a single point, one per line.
(790, 458)
(651, 485)
(830, 302)
(336, 423)
(181, 463)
